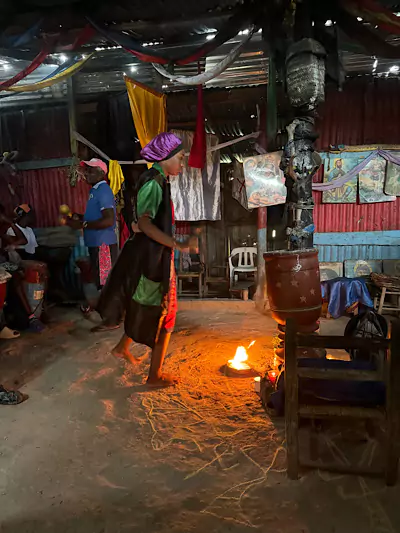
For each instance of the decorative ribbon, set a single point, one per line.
(229, 30)
(65, 66)
(339, 182)
(24, 73)
(375, 13)
(370, 41)
(22, 39)
(52, 81)
(204, 77)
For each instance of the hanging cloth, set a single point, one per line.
(208, 74)
(198, 152)
(52, 81)
(115, 176)
(148, 109)
(26, 71)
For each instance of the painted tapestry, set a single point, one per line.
(392, 181)
(336, 167)
(265, 182)
(371, 182)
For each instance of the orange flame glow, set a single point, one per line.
(241, 356)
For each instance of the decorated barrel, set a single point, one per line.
(293, 286)
(35, 278)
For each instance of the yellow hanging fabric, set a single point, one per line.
(115, 176)
(148, 110)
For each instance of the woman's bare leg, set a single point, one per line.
(122, 349)
(156, 377)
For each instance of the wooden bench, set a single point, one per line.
(388, 415)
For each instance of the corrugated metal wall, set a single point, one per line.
(365, 112)
(37, 133)
(45, 190)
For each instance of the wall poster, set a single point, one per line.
(371, 182)
(265, 182)
(335, 167)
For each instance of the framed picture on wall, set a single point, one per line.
(392, 181)
(265, 182)
(335, 167)
(371, 182)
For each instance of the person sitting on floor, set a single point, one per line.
(24, 218)
(10, 261)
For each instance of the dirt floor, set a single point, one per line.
(93, 451)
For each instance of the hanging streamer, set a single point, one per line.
(65, 66)
(375, 13)
(204, 77)
(39, 59)
(230, 29)
(24, 38)
(52, 81)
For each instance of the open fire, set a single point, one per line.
(241, 356)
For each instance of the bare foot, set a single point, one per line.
(165, 380)
(123, 353)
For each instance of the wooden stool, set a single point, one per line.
(388, 415)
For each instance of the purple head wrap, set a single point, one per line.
(163, 146)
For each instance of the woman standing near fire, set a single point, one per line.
(147, 259)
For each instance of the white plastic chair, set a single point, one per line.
(245, 263)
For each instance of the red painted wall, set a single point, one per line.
(365, 112)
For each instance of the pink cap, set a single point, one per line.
(94, 162)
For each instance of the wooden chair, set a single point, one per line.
(189, 275)
(388, 415)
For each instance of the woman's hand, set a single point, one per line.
(74, 224)
(135, 227)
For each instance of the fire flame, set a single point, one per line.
(241, 356)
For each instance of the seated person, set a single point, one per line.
(9, 260)
(24, 218)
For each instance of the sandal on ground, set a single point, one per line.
(10, 397)
(85, 310)
(8, 334)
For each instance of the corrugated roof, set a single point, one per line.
(104, 72)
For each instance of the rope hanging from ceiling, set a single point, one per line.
(208, 75)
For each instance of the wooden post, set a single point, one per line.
(72, 116)
(291, 401)
(261, 294)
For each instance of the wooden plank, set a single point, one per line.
(324, 411)
(379, 238)
(291, 401)
(339, 374)
(336, 342)
(44, 163)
